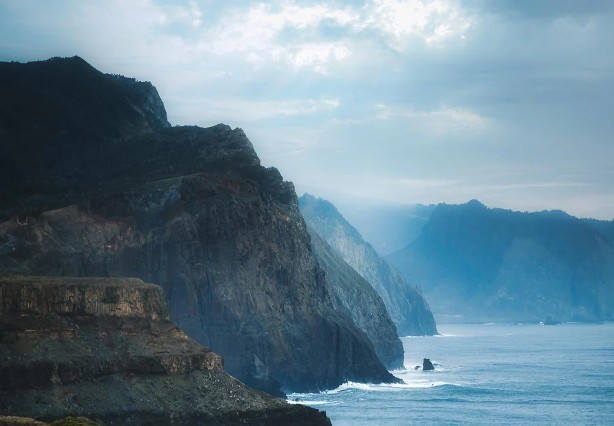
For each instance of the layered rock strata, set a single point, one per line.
(188, 208)
(105, 349)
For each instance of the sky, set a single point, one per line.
(510, 102)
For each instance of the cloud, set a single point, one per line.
(258, 32)
(273, 35)
(189, 14)
(532, 185)
(544, 9)
(317, 55)
(344, 88)
(383, 188)
(433, 22)
(244, 110)
(444, 121)
(291, 34)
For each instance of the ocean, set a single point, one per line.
(489, 374)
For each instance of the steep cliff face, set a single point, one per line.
(365, 306)
(193, 210)
(104, 348)
(481, 264)
(405, 304)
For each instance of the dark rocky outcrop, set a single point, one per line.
(96, 184)
(365, 306)
(116, 297)
(479, 264)
(104, 349)
(406, 306)
(427, 365)
(20, 421)
(27, 421)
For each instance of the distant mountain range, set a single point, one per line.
(486, 264)
(387, 227)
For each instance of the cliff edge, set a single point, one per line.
(407, 307)
(104, 348)
(189, 208)
(363, 303)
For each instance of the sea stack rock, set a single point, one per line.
(427, 364)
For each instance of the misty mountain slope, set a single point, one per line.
(387, 228)
(481, 264)
(105, 188)
(406, 306)
(362, 301)
(604, 227)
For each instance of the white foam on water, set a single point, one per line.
(415, 383)
(437, 336)
(296, 399)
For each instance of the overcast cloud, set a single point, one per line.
(509, 102)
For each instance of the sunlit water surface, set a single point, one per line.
(489, 374)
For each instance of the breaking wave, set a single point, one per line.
(368, 387)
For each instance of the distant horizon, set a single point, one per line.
(404, 101)
(385, 202)
(391, 204)
(348, 200)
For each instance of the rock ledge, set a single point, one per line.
(103, 348)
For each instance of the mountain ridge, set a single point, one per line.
(191, 209)
(500, 265)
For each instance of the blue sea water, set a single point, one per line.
(489, 374)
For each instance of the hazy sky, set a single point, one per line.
(509, 102)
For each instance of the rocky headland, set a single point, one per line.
(104, 348)
(407, 307)
(96, 183)
(363, 303)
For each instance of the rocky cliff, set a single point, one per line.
(189, 208)
(104, 348)
(490, 265)
(363, 303)
(406, 306)
(121, 297)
